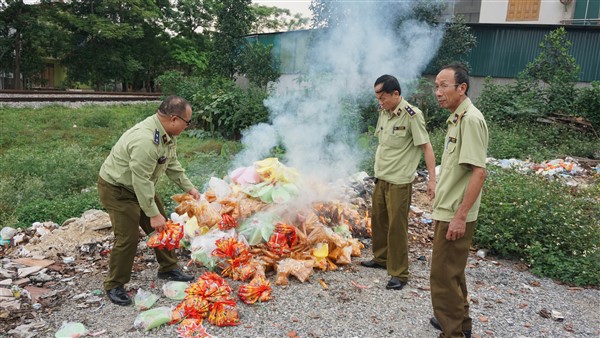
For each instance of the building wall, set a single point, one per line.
(551, 12)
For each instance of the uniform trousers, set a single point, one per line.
(126, 218)
(447, 280)
(389, 224)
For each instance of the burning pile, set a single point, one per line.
(246, 228)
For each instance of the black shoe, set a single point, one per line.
(373, 264)
(175, 275)
(434, 322)
(395, 284)
(118, 296)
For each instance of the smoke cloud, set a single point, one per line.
(307, 117)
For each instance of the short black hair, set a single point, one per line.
(174, 105)
(390, 84)
(461, 74)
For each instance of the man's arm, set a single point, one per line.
(458, 224)
(430, 163)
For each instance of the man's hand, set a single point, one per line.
(158, 223)
(456, 229)
(431, 189)
(194, 192)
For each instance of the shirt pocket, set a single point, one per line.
(451, 141)
(161, 166)
(396, 137)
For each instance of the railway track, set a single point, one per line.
(21, 96)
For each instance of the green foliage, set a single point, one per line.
(121, 34)
(233, 21)
(258, 65)
(274, 19)
(27, 34)
(229, 109)
(511, 103)
(554, 229)
(220, 106)
(456, 43)
(428, 11)
(587, 104)
(557, 69)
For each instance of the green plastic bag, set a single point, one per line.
(71, 330)
(152, 318)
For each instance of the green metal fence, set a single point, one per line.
(502, 50)
(505, 50)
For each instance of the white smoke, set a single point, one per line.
(307, 118)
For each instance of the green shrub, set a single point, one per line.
(553, 229)
(220, 106)
(588, 104)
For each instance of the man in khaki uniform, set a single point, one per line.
(402, 139)
(126, 186)
(457, 200)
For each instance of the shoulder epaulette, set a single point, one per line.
(410, 111)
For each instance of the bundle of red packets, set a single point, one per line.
(167, 239)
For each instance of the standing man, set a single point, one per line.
(402, 139)
(126, 186)
(457, 201)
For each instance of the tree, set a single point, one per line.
(258, 65)
(274, 19)
(326, 13)
(26, 36)
(557, 69)
(456, 44)
(103, 37)
(233, 21)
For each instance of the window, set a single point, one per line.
(586, 12)
(523, 10)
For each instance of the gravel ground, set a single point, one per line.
(505, 302)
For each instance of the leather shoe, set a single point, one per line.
(395, 284)
(175, 275)
(434, 322)
(372, 264)
(118, 296)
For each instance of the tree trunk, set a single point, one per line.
(17, 74)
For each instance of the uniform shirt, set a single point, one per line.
(139, 158)
(466, 142)
(400, 135)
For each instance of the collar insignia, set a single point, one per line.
(156, 136)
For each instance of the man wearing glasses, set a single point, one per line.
(457, 199)
(402, 138)
(126, 186)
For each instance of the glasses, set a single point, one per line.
(187, 123)
(444, 87)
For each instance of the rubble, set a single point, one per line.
(570, 171)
